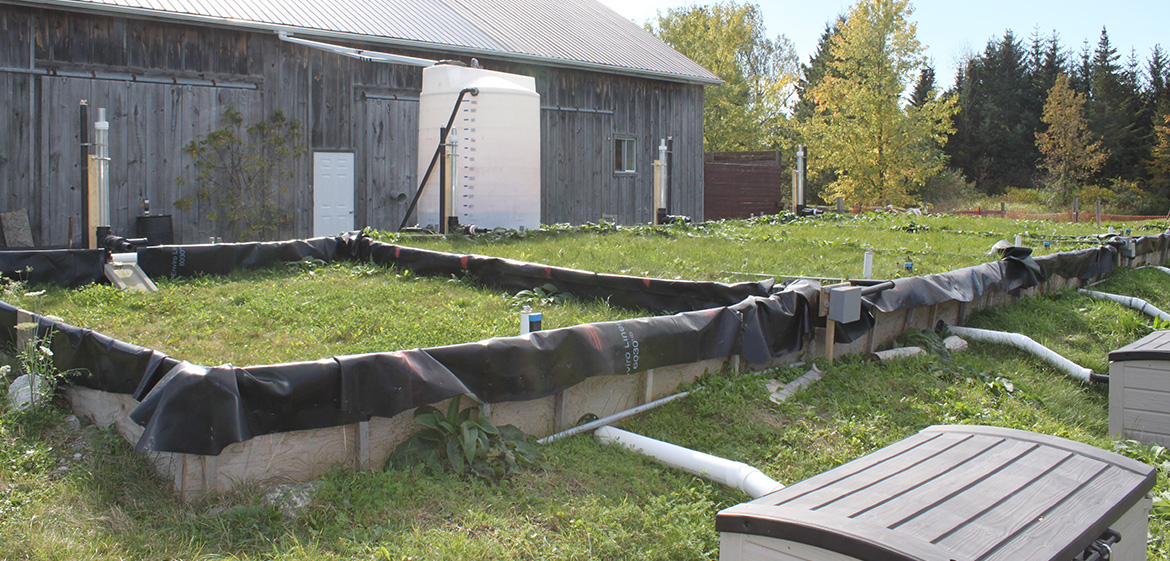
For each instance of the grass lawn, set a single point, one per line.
(292, 314)
(80, 493)
(732, 251)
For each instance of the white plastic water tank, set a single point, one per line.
(497, 153)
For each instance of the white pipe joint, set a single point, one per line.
(1024, 343)
(720, 470)
(1131, 301)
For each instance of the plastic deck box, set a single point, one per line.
(1139, 390)
(960, 493)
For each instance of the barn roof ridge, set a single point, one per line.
(582, 34)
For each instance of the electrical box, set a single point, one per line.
(1128, 248)
(953, 493)
(844, 303)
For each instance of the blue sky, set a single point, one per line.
(952, 28)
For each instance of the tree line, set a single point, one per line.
(1029, 119)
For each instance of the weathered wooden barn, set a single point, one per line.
(167, 71)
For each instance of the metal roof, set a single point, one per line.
(574, 33)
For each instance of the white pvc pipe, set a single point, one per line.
(1025, 343)
(900, 352)
(664, 176)
(1131, 301)
(360, 54)
(1158, 267)
(101, 143)
(720, 470)
(809, 378)
(591, 425)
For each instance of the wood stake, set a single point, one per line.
(830, 339)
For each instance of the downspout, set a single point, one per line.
(720, 470)
(1025, 343)
(1131, 301)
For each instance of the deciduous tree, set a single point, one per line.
(1160, 155)
(1072, 155)
(749, 110)
(880, 147)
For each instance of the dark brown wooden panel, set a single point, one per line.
(740, 190)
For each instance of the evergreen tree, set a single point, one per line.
(1158, 93)
(1080, 77)
(1113, 105)
(994, 140)
(816, 69)
(1072, 155)
(749, 111)
(924, 91)
(1049, 60)
(879, 148)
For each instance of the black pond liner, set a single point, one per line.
(195, 409)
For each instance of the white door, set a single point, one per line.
(332, 193)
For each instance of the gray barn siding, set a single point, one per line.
(340, 102)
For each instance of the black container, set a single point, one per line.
(158, 230)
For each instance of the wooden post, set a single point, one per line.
(92, 204)
(1076, 210)
(870, 341)
(362, 440)
(26, 330)
(1098, 213)
(560, 412)
(840, 205)
(830, 325)
(210, 473)
(795, 190)
(1002, 210)
(830, 339)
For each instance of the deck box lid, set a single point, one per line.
(955, 492)
(1155, 346)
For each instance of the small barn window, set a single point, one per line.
(625, 150)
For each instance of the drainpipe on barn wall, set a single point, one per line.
(87, 237)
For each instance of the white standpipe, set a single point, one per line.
(101, 143)
(1025, 343)
(664, 176)
(1131, 301)
(720, 470)
(867, 264)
